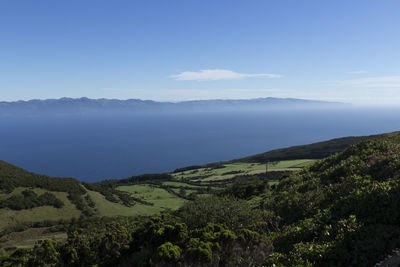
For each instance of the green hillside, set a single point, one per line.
(29, 197)
(338, 211)
(343, 210)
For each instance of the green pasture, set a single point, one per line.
(290, 164)
(13, 217)
(158, 196)
(29, 237)
(231, 170)
(187, 191)
(109, 209)
(174, 183)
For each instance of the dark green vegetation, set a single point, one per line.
(343, 210)
(29, 199)
(339, 211)
(318, 150)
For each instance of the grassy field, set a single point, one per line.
(186, 191)
(30, 237)
(231, 170)
(206, 178)
(173, 183)
(158, 196)
(110, 209)
(13, 217)
(290, 164)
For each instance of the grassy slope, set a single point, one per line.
(11, 179)
(158, 196)
(29, 237)
(109, 209)
(186, 191)
(339, 211)
(13, 217)
(242, 168)
(174, 183)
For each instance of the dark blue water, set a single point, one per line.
(93, 148)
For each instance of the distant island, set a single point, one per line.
(89, 106)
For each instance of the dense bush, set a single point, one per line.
(232, 212)
(245, 187)
(161, 241)
(343, 210)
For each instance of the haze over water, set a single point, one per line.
(93, 148)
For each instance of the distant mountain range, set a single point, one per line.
(86, 105)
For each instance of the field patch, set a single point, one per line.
(10, 217)
(109, 209)
(173, 183)
(229, 171)
(158, 196)
(30, 237)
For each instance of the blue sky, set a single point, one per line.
(178, 50)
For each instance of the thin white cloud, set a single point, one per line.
(372, 82)
(357, 72)
(218, 74)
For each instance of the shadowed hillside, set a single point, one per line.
(317, 150)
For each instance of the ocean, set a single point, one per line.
(92, 148)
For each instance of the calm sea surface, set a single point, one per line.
(93, 148)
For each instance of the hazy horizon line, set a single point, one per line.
(174, 101)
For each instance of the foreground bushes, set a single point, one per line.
(341, 211)
(165, 240)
